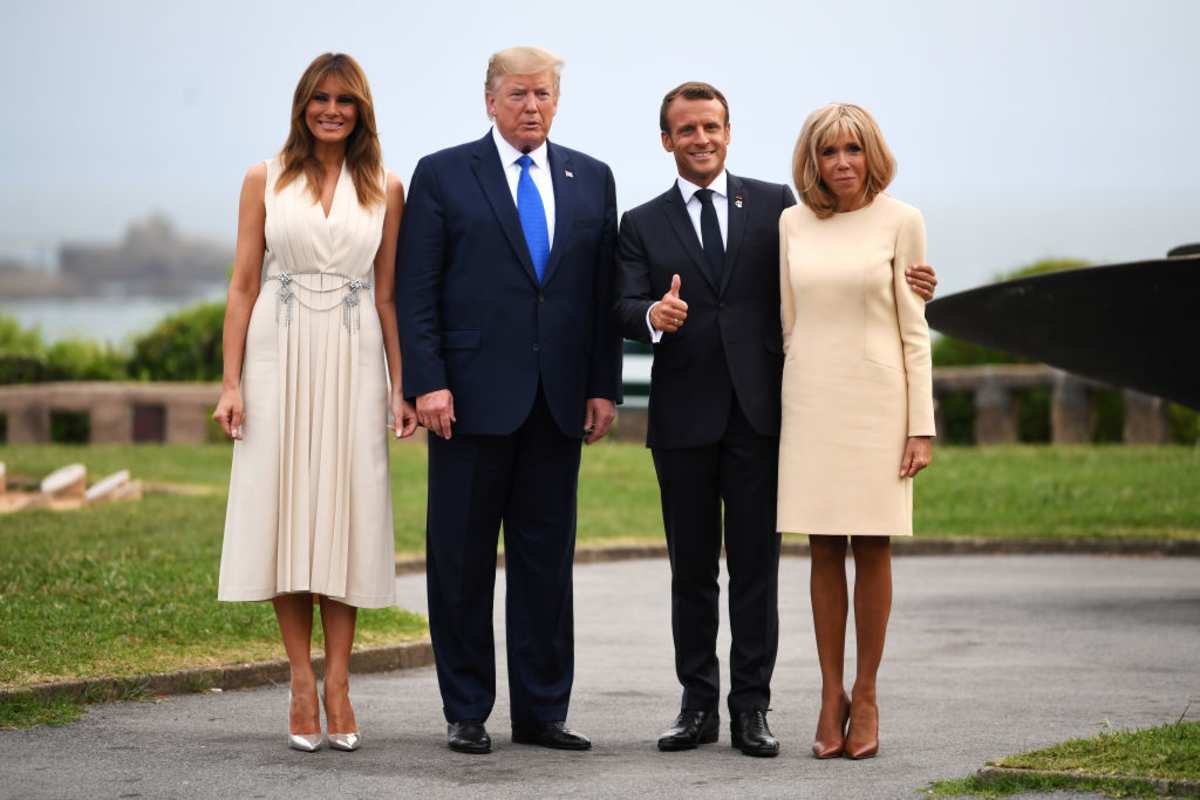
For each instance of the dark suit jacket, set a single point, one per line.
(472, 315)
(731, 344)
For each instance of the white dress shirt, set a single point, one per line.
(720, 198)
(539, 170)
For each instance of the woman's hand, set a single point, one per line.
(230, 412)
(918, 452)
(404, 415)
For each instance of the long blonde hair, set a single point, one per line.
(364, 158)
(822, 128)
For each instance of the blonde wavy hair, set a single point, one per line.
(824, 127)
(521, 61)
(364, 157)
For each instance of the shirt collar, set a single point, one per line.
(509, 154)
(689, 189)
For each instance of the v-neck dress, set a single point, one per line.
(310, 507)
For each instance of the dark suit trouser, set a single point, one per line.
(526, 480)
(739, 470)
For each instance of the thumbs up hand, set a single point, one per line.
(669, 314)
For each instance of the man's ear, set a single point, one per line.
(667, 143)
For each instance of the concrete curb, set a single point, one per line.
(408, 655)
(902, 546)
(1163, 786)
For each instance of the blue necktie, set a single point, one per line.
(533, 218)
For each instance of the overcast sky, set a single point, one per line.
(1022, 129)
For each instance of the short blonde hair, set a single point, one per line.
(822, 128)
(521, 61)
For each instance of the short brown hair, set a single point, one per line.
(821, 129)
(692, 90)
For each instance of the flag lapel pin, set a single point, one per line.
(568, 173)
(737, 201)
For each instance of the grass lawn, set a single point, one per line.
(1116, 763)
(130, 588)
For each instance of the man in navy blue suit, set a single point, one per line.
(505, 280)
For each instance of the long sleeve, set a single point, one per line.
(604, 379)
(419, 266)
(635, 297)
(787, 301)
(914, 330)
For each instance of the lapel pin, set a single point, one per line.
(737, 201)
(568, 173)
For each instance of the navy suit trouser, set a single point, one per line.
(527, 482)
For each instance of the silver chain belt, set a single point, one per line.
(287, 296)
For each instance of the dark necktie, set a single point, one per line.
(710, 236)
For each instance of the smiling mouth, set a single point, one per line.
(330, 125)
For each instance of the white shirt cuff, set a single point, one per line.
(655, 334)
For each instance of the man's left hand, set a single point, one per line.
(599, 418)
(922, 280)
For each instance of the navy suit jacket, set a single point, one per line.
(473, 317)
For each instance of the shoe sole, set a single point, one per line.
(537, 743)
(470, 750)
(672, 747)
(750, 751)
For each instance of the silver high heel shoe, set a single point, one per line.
(304, 742)
(347, 742)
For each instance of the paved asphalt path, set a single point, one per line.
(986, 656)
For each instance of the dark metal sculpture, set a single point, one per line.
(1132, 325)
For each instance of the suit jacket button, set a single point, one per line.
(536, 348)
(720, 305)
(541, 297)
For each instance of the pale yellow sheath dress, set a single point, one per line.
(857, 376)
(310, 508)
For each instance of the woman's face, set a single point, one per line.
(331, 113)
(843, 167)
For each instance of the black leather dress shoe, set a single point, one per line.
(751, 735)
(691, 728)
(549, 734)
(468, 736)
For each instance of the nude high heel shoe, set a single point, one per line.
(834, 747)
(304, 742)
(859, 746)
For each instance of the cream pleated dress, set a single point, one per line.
(857, 375)
(310, 508)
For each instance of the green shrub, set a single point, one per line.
(1184, 424)
(186, 346)
(85, 360)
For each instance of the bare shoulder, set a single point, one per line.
(395, 187)
(256, 177)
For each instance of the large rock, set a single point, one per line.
(66, 483)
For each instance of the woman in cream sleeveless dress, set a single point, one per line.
(308, 355)
(857, 419)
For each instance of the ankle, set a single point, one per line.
(865, 695)
(832, 695)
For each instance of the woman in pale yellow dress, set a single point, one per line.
(857, 398)
(311, 347)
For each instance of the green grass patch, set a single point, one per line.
(1114, 763)
(1167, 751)
(1007, 786)
(129, 588)
(26, 712)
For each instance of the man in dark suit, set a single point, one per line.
(505, 278)
(700, 279)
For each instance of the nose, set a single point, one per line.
(841, 160)
(531, 104)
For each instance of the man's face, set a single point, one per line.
(523, 108)
(698, 136)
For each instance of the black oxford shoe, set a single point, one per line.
(468, 736)
(549, 734)
(691, 729)
(751, 735)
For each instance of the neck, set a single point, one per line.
(851, 204)
(331, 156)
(703, 181)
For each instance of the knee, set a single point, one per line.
(827, 549)
(871, 548)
